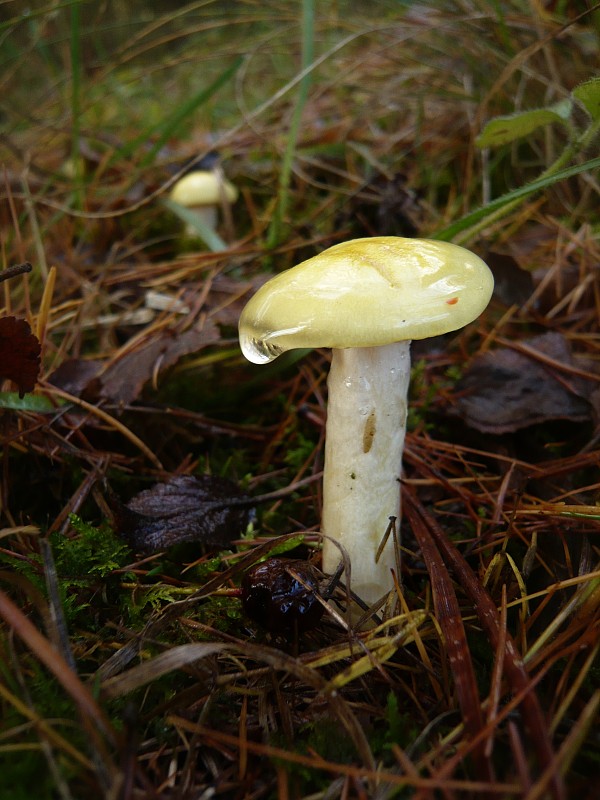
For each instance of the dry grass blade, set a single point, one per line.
(449, 618)
(568, 749)
(185, 655)
(380, 777)
(46, 729)
(514, 669)
(96, 411)
(178, 657)
(49, 656)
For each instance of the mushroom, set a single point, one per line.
(204, 191)
(366, 299)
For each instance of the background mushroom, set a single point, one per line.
(366, 299)
(203, 192)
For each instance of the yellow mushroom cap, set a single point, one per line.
(203, 188)
(366, 293)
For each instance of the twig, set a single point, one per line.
(16, 269)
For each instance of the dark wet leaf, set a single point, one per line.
(209, 510)
(504, 390)
(383, 206)
(20, 352)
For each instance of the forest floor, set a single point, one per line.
(132, 426)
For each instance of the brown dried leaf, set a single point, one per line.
(20, 352)
(76, 376)
(122, 381)
(208, 509)
(504, 390)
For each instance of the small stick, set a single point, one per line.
(17, 269)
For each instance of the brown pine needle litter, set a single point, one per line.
(138, 673)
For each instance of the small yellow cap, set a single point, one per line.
(203, 188)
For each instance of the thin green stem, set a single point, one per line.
(467, 228)
(75, 54)
(308, 46)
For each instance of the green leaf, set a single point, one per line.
(30, 402)
(502, 130)
(588, 94)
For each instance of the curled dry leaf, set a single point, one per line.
(122, 380)
(504, 390)
(209, 510)
(20, 352)
(78, 377)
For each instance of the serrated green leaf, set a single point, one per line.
(503, 130)
(588, 94)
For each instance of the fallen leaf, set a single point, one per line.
(76, 376)
(383, 206)
(207, 509)
(504, 390)
(123, 380)
(20, 354)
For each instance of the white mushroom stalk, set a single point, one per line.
(366, 299)
(364, 441)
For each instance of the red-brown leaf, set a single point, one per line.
(20, 354)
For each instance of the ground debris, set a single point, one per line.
(505, 390)
(20, 353)
(123, 379)
(204, 509)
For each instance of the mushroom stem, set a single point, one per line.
(366, 425)
(207, 214)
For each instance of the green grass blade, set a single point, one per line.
(29, 402)
(481, 214)
(168, 127)
(76, 71)
(308, 48)
(210, 237)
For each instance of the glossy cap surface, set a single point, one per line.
(366, 293)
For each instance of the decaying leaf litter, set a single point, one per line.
(132, 671)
